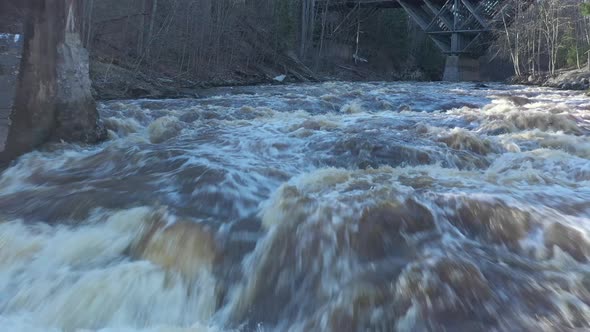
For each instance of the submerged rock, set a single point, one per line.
(184, 247)
(164, 129)
(568, 239)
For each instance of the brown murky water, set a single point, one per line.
(326, 207)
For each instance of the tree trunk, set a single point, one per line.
(53, 98)
(150, 34)
(87, 35)
(141, 29)
(322, 34)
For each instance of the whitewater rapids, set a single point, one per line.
(322, 207)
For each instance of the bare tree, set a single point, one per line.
(544, 35)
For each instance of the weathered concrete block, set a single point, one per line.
(52, 96)
(461, 68)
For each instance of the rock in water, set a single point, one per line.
(184, 247)
(163, 129)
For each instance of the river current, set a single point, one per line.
(323, 207)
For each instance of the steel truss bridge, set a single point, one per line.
(462, 29)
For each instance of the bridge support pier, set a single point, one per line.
(52, 99)
(461, 68)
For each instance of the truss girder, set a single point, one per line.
(457, 27)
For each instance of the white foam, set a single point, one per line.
(78, 278)
(298, 155)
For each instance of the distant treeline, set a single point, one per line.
(204, 39)
(219, 39)
(545, 36)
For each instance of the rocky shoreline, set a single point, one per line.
(577, 79)
(112, 81)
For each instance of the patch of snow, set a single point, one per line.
(15, 37)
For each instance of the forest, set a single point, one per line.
(243, 42)
(546, 36)
(189, 43)
(250, 41)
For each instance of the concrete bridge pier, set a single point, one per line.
(462, 63)
(460, 68)
(460, 28)
(49, 99)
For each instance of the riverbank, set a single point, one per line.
(111, 80)
(570, 79)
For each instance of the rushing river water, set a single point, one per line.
(325, 207)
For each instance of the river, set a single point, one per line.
(322, 207)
